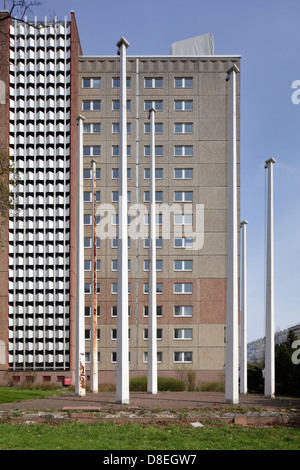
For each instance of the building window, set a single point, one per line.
(159, 334)
(183, 128)
(87, 219)
(158, 219)
(87, 173)
(183, 242)
(159, 288)
(158, 128)
(183, 196)
(116, 127)
(183, 288)
(116, 105)
(183, 265)
(159, 310)
(159, 357)
(159, 242)
(92, 105)
(115, 150)
(115, 173)
(183, 219)
(183, 357)
(158, 196)
(156, 104)
(153, 82)
(87, 265)
(92, 151)
(183, 105)
(116, 82)
(91, 83)
(159, 265)
(183, 333)
(183, 151)
(94, 128)
(183, 311)
(158, 173)
(185, 82)
(158, 151)
(183, 173)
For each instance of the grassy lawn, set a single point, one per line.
(133, 436)
(12, 394)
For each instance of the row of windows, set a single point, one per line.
(179, 219)
(179, 242)
(179, 150)
(179, 265)
(178, 311)
(179, 173)
(178, 288)
(179, 128)
(178, 334)
(149, 82)
(179, 196)
(179, 105)
(178, 357)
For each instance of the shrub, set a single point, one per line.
(139, 384)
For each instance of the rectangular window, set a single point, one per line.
(116, 127)
(158, 196)
(159, 288)
(183, 196)
(156, 104)
(183, 357)
(183, 173)
(116, 105)
(159, 334)
(183, 82)
(159, 265)
(91, 83)
(153, 82)
(183, 151)
(183, 105)
(159, 242)
(183, 333)
(183, 311)
(183, 242)
(158, 173)
(116, 82)
(158, 219)
(159, 311)
(115, 150)
(87, 265)
(158, 152)
(94, 128)
(87, 219)
(158, 355)
(183, 265)
(183, 288)
(91, 105)
(115, 173)
(183, 219)
(183, 128)
(158, 128)
(92, 151)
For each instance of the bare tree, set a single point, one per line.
(19, 9)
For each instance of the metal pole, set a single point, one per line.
(243, 361)
(122, 369)
(80, 381)
(94, 349)
(152, 346)
(270, 347)
(231, 368)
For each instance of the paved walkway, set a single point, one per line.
(162, 401)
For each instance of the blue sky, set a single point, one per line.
(267, 35)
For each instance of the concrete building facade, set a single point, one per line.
(50, 83)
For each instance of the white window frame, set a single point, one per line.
(183, 196)
(92, 82)
(182, 334)
(184, 128)
(186, 242)
(183, 82)
(156, 104)
(153, 82)
(182, 265)
(91, 103)
(184, 151)
(183, 105)
(184, 311)
(184, 288)
(183, 358)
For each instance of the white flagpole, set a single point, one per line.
(152, 346)
(231, 368)
(94, 349)
(122, 369)
(243, 361)
(80, 379)
(270, 347)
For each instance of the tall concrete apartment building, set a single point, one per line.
(48, 82)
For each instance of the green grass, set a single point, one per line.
(133, 436)
(12, 394)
